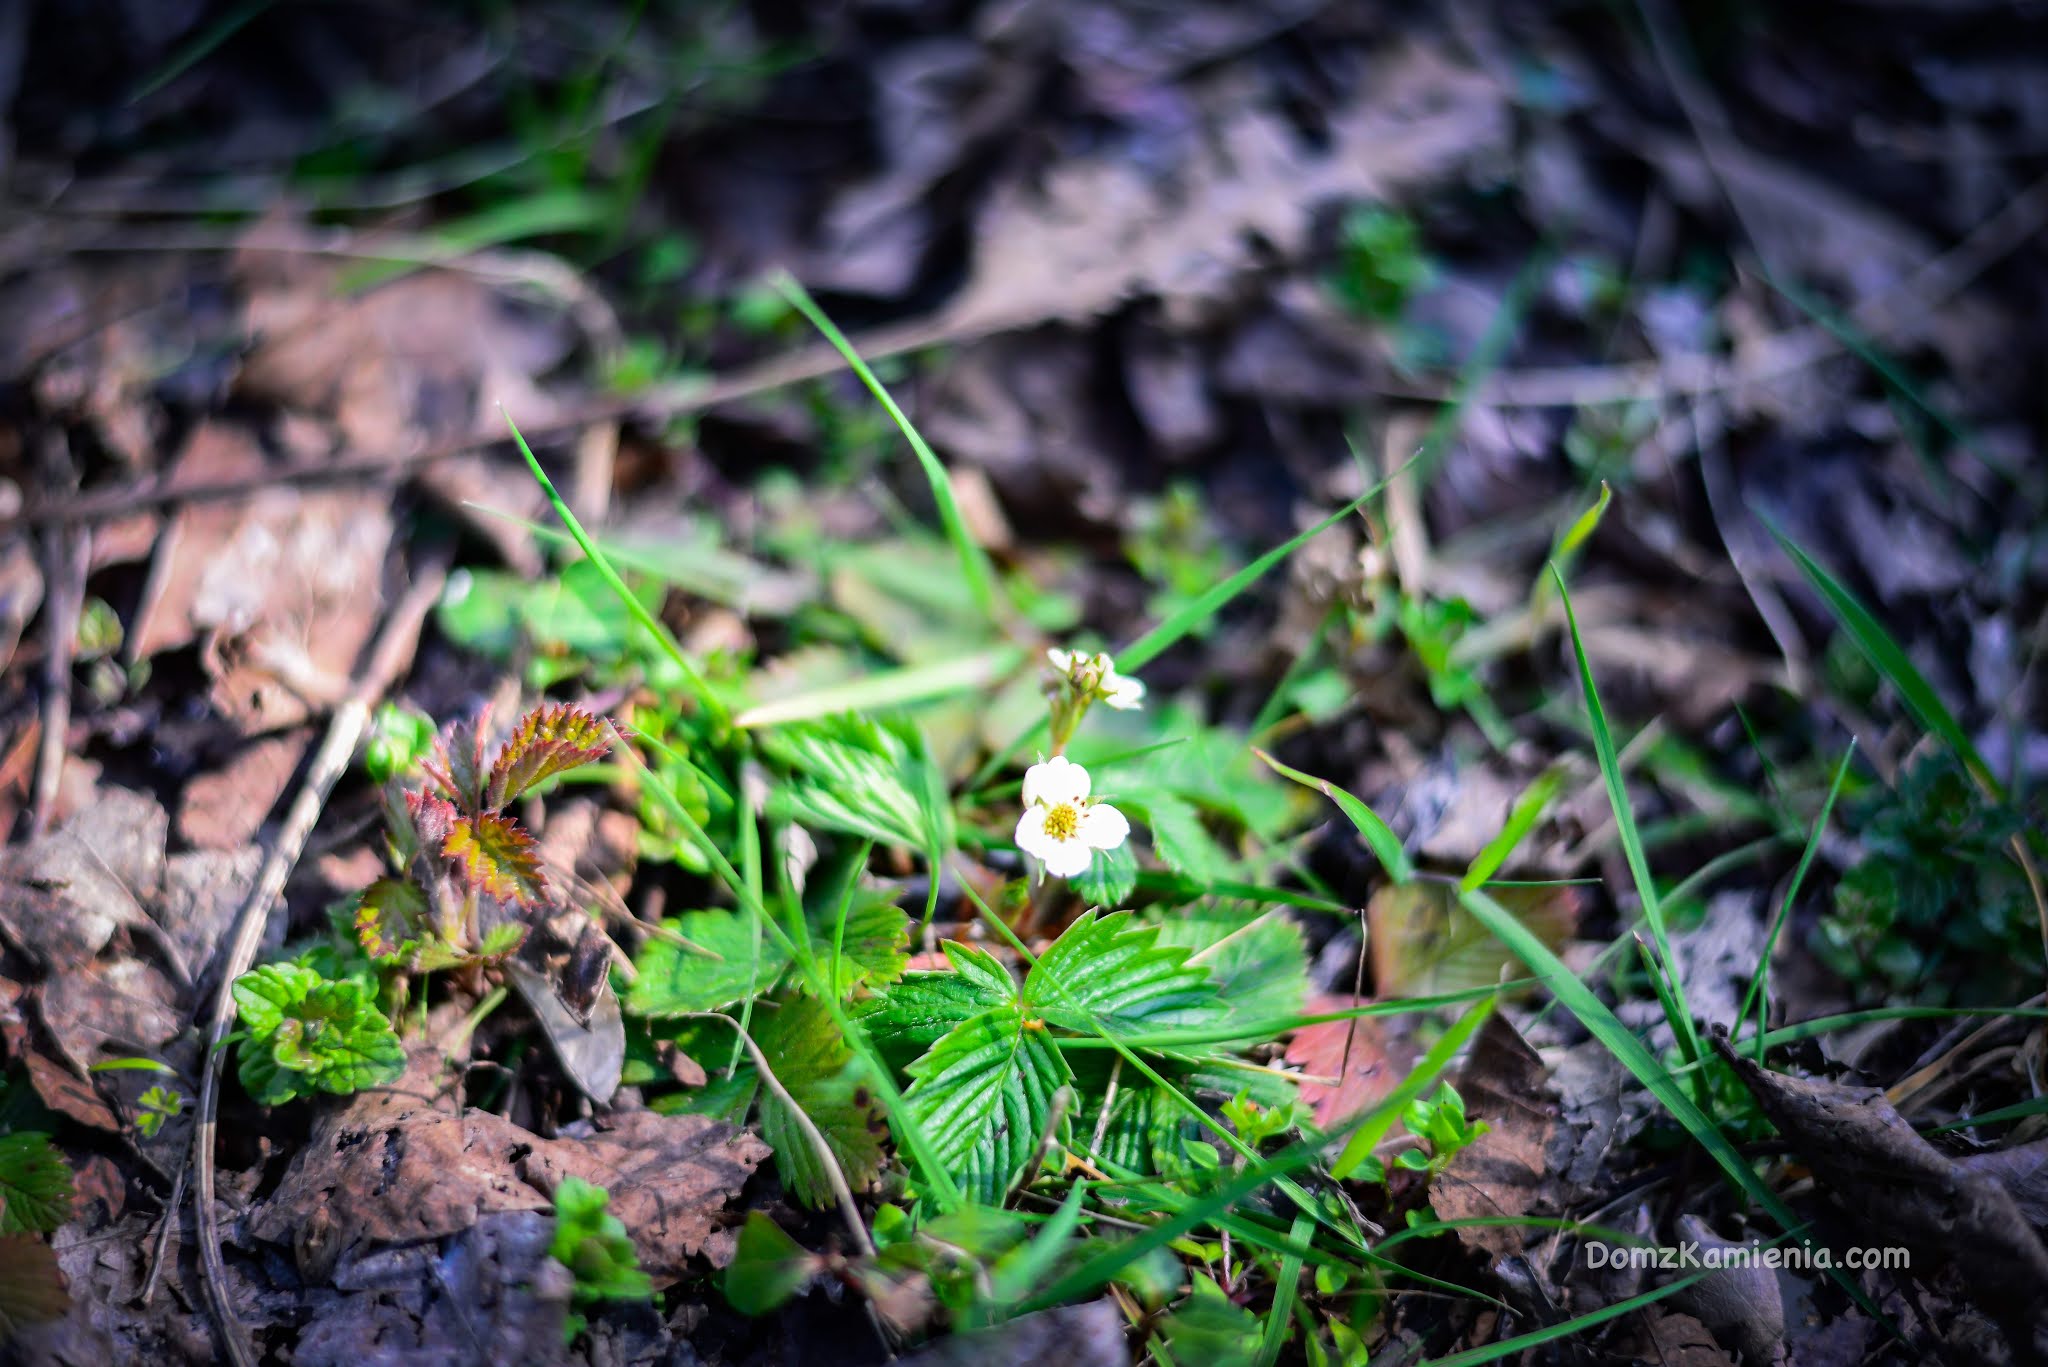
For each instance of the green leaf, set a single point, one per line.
(1210, 1330)
(306, 1033)
(1260, 966)
(1180, 840)
(675, 980)
(890, 688)
(1385, 845)
(390, 914)
(984, 1095)
(915, 1013)
(549, 740)
(767, 1269)
(35, 1184)
(817, 1069)
(1109, 877)
(861, 777)
(1109, 974)
(593, 1244)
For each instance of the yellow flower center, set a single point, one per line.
(1063, 822)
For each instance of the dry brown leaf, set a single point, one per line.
(1378, 1059)
(68, 1094)
(224, 808)
(1423, 942)
(1504, 1173)
(394, 1167)
(1098, 232)
(1668, 1339)
(1899, 1189)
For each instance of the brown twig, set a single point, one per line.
(68, 557)
(389, 659)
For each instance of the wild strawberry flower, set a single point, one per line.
(1061, 827)
(1095, 676)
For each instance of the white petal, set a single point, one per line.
(1068, 859)
(1103, 827)
(1122, 692)
(1031, 836)
(1057, 780)
(1062, 661)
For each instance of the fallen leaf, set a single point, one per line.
(225, 807)
(31, 1285)
(1898, 1189)
(68, 1094)
(1505, 1172)
(1378, 1060)
(1668, 1339)
(63, 897)
(1741, 1303)
(392, 1167)
(1423, 942)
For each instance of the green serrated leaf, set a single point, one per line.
(876, 942)
(390, 913)
(815, 1066)
(35, 1184)
(1107, 974)
(861, 777)
(984, 1094)
(918, 1011)
(1260, 966)
(307, 1033)
(674, 980)
(549, 740)
(1109, 877)
(1180, 840)
(1210, 1330)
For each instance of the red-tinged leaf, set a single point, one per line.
(433, 818)
(390, 912)
(549, 741)
(458, 764)
(498, 857)
(1365, 1077)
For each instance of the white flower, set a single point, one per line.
(1060, 827)
(1120, 690)
(1095, 677)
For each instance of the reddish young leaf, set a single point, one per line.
(458, 765)
(550, 740)
(390, 912)
(498, 857)
(433, 818)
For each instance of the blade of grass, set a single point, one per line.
(1551, 1333)
(1888, 657)
(706, 699)
(1756, 995)
(974, 563)
(1522, 817)
(1286, 1288)
(887, 689)
(1633, 1055)
(1682, 1023)
(1367, 1137)
(1385, 845)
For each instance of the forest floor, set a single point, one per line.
(1554, 490)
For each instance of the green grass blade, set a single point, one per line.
(1522, 818)
(974, 563)
(706, 699)
(1682, 1023)
(1551, 1333)
(1630, 1052)
(1285, 1290)
(1386, 846)
(1367, 1137)
(1887, 657)
(887, 689)
(1756, 995)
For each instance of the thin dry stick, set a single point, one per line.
(812, 1134)
(389, 659)
(70, 557)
